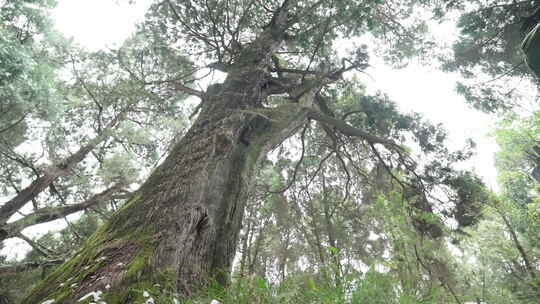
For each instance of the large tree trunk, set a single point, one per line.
(181, 228)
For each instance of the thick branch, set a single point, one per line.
(44, 215)
(348, 130)
(188, 90)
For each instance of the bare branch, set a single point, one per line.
(44, 251)
(176, 81)
(93, 97)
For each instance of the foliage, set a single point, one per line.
(26, 68)
(488, 52)
(343, 216)
(518, 139)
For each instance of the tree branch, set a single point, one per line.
(348, 130)
(48, 214)
(41, 249)
(524, 256)
(51, 173)
(177, 85)
(14, 124)
(297, 166)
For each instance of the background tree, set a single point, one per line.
(76, 124)
(488, 54)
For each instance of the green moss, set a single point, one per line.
(59, 284)
(125, 219)
(129, 203)
(92, 257)
(136, 268)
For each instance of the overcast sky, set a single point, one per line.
(100, 24)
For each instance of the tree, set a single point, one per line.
(90, 126)
(180, 229)
(503, 245)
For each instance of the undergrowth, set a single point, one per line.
(372, 287)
